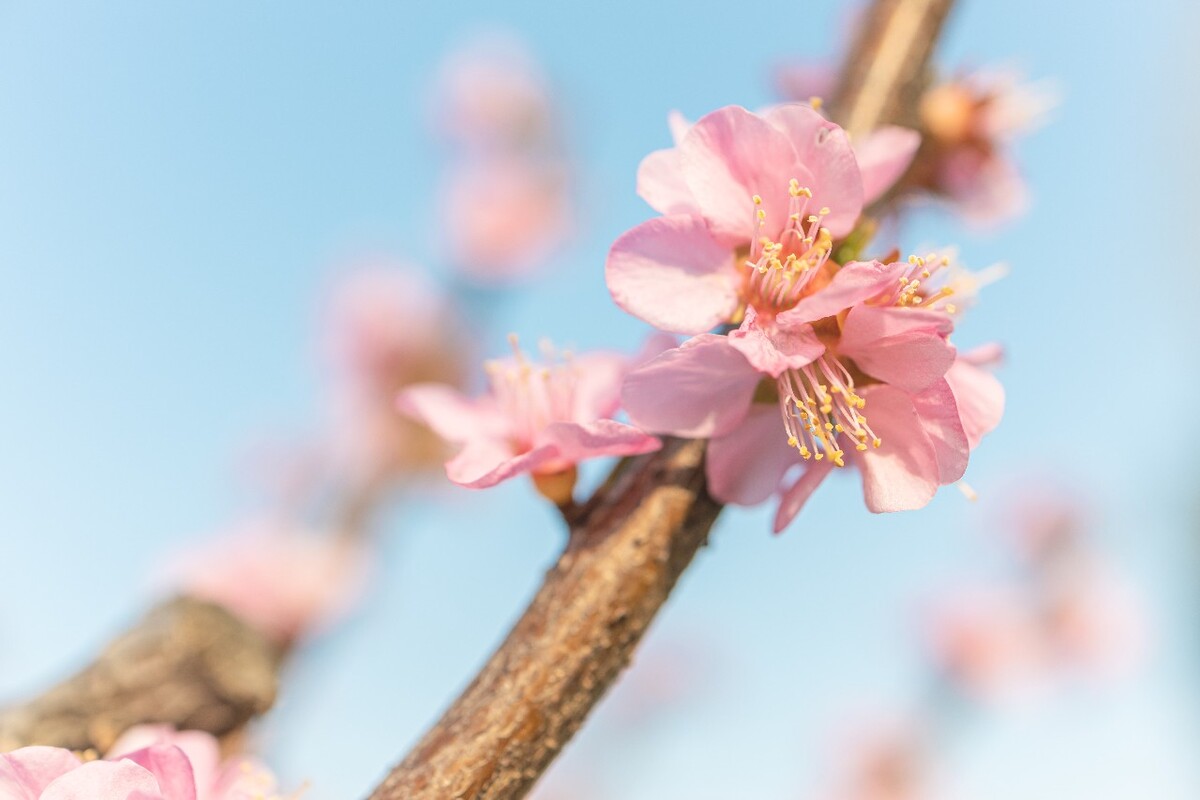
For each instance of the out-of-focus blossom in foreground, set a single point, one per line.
(506, 201)
(146, 764)
(538, 418)
(285, 582)
(883, 762)
(387, 327)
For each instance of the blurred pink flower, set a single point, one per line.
(882, 761)
(736, 182)
(285, 582)
(986, 642)
(971, 122)
(215, 778)
(503, 215)
(387, 327)
(148, 765)
(860, 358)
(536, 418)
(492, 94)
(1093, 621)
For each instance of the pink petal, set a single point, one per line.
(105, 780)
(572, 442)
(883, 156)
(797, 495)
(171, 767)
(449, 414)
(728, 157)
(660, 183)
(702, 388)
(670, 272)
(985, 190)
(746, 465)
(824, 150)
(902, 474)
(201, 748)
(486, 462)
(597, 391)
(905, 347)
(940, 417)
(979, 397)
(853, 283)
(26, 772)
(778, 351)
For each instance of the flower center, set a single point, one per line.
(780, 271)
(921, 285)
(533, 395)
(820, 409)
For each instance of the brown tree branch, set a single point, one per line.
(631, 542)
(187, 663)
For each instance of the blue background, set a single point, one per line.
(177, 181)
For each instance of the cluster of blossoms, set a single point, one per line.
(833, 361)
(505, 202)
(146, 763)
(822, 361)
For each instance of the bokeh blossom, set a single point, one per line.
(386, 327)
(539, 418)
(282, 581)
(147, 763)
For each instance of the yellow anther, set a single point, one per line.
(876, 442)
(824, 212)
(793, 441)
(757, 199)
(860, 446)
(951, 308)
(805, 453)
(816, 102)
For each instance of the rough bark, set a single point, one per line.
(188, 663)
(631, 542)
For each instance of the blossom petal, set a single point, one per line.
(853, 283)
(777, 351)
(703, 388)
(104, 780)
(728, 157)
(824, 150)
(26, 772)
(486, 462)
(597, 384)
(201, 748)
(940, 418)
(660, 183)
(449, 414)
(573, 442)
(979, 397)
(902, 474)
(797, 495)
(171, 766)
(746, 465)
(905, 347)
(883, 156)
(670, 272)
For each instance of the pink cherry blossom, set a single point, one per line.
(505, 215)
(386, 327)
(742, 187)
(883, 761)
(283, 581)
(972, 122)
(215, 777)
(538, 418)
(146, 764)
(826, 371)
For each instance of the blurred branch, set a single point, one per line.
(187, 663)
(631, 541)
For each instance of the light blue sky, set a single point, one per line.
(176, 182)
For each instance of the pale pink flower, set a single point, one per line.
(735, 180)
(161, 766)
(386, 327)
(884, 762)
(986, 642)
(855, 368)
(215, 778)
(971, 123)
(505, 215)
(283, 581)
(492, 94)
(538, 418)
(1093, 621)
